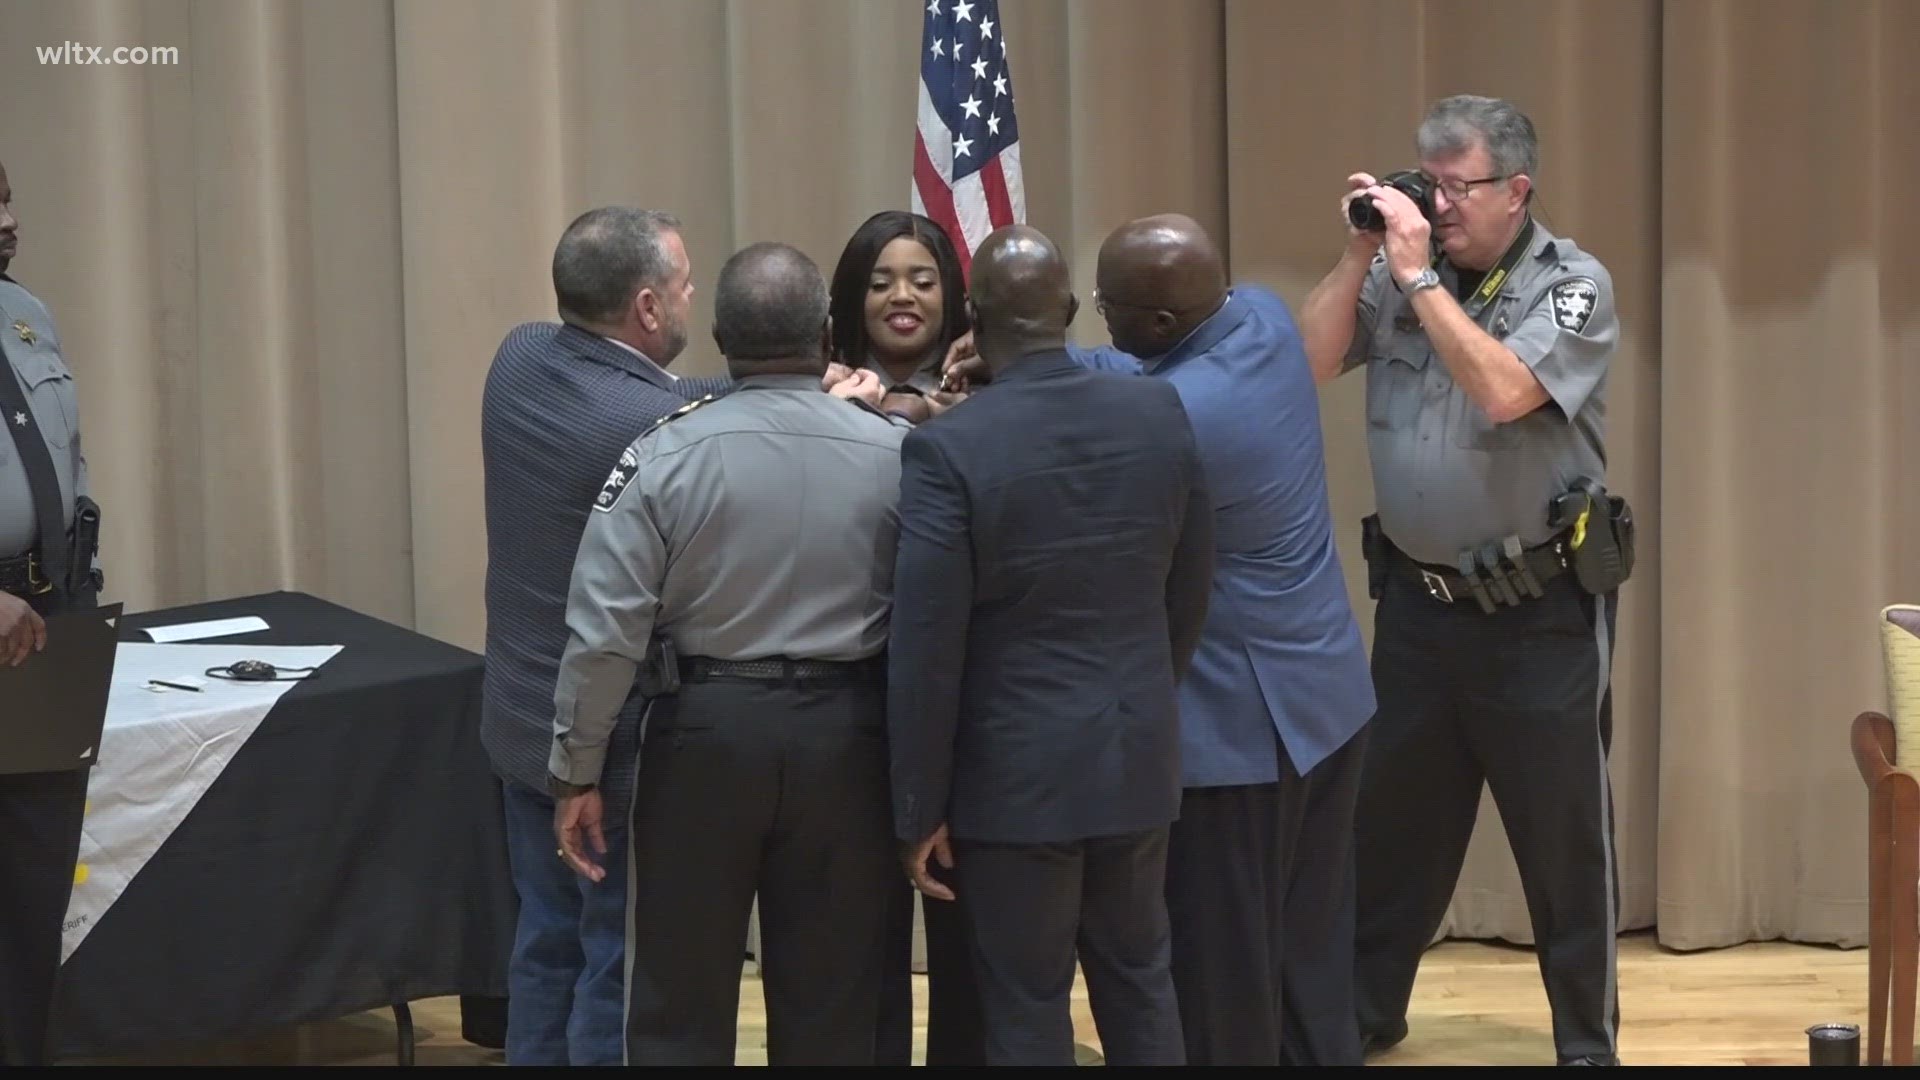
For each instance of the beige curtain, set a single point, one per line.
(281, 268)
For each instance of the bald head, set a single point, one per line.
(1159, 277)
(1022, 294)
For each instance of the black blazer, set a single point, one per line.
(1054, 566)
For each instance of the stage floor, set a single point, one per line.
(1474, 1004)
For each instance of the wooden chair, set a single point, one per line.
(1887, 751)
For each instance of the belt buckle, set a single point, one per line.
(1437, 586)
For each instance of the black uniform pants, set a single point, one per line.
(1032, 907)
(771, 789)
(1520, 700)
(40, 816)
(954, 1034)
(40, 820)
(1260, 894)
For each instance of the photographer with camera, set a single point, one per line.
(1495, 557)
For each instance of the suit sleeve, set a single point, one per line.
(933, 601)
(1105, 358)
(611, 607)
(1190, 578)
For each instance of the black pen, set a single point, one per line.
(173, 685)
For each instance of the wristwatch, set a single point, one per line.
(1427, 279)
(560, 789)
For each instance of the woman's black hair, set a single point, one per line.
(855, 269)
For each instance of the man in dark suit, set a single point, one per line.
(1054, 564)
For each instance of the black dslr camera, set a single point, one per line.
(1366, 216)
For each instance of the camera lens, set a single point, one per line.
(1364, 215)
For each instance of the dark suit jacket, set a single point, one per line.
(559, 406)
(1055, 559)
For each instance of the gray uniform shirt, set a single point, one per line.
(1445, 476)
(759, 525)
(50, 393)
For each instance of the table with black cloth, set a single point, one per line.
(351, 856)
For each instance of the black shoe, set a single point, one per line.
(1379, 1042)
(1592, 1061)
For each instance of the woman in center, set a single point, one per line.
(898, 302)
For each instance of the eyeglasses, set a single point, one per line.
(1462, 190)
(1101, 304)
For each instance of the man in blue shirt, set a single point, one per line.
(1273, 711)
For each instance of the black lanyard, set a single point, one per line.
(1499, 274)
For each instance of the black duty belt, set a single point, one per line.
(782, 670)
(1518, 575)
(21, 575)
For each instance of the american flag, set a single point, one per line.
(966, 155)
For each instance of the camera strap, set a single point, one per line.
(1490, 287)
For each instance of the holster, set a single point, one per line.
(1373, 548)
(1602, 538)
(83, 578)
(660, 672)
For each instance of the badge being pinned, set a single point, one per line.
(1573, 302)
(26, 332)
(617, 480)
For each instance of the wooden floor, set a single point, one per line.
(1475, 1004)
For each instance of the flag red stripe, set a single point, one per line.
(999, 206)
(939, 200)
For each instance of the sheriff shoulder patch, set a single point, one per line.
(623, 472)
(1573, 302)
(618, 480)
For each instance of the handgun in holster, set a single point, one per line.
(83, 577)
(1373, 548)
(660, 671)
(1600, 535)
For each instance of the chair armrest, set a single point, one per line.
(1873, 755)
(1873, 746)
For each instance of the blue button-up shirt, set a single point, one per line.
(1281, 653)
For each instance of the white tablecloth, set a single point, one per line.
(161, 751)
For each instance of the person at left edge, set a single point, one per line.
(48, 563)
(742, 553)
(560, 404)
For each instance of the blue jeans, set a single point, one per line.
(566, 989)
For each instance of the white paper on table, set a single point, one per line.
(195, 631)
(160, 752)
